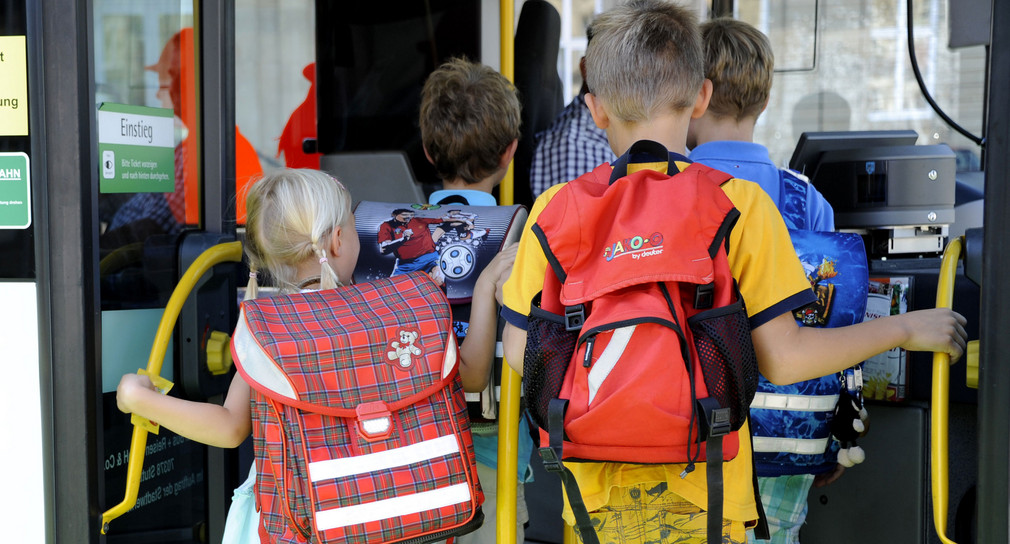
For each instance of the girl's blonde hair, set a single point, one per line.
(290, 215)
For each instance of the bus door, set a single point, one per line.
(166, 142)
(130, 140)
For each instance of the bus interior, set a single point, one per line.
(249, 86)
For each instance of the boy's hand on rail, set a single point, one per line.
(938, 330)
(128, 388)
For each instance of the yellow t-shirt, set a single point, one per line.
(771, 281)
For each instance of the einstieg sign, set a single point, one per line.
(15, 184)
(136, 149)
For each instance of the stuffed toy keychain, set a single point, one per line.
(850, 420)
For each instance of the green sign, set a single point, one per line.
(15, 183)
(136, 145)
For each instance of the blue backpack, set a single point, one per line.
(791, 425)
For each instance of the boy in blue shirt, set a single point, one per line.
(739, 62)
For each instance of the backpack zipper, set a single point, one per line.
(589, 336)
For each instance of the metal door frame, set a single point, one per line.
(64, 144)
(994, 373)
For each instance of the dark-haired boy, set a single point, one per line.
(470, 129)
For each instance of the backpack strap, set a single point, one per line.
(551, 456)
(649, 147)
(453, 199)
(793, 199)
(761, 530)
(575, 315)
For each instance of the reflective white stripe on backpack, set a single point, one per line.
(396, 506)
(608, 359)
(391, 508)
(799, 403)
(803, 446)
(396, 457)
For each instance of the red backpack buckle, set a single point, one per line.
(374, 421)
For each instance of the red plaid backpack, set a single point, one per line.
(359, 422)
(638, 347)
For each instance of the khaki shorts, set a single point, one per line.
(650, 513)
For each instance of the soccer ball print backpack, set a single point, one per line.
(466, 242)
(359, 421)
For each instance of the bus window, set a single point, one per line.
(861, 78)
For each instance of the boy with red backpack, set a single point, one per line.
(645, 71)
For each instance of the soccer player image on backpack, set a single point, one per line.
(639, 346)
(465, 239)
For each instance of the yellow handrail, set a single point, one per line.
(940, 404)
(227, 252)
(508, 412)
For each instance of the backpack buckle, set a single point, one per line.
(715, 420)
(374, 421)
(551, 461)
(704, 296)
(575, 316)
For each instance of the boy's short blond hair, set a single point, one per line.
(739, 61)
(469, 117)
(645, 58)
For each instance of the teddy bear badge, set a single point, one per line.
(403, 352)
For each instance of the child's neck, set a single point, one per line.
(310, 269)
(714, 129)
(668, 129)
(485, 185)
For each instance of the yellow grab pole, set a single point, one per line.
(940, 404)
(508, 413)
(227, 252)
(506, 16)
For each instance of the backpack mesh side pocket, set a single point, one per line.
(726, 355)
(549, 348)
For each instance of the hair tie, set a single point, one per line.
(252, 274)
(322, 260)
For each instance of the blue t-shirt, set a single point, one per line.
(750, 161)
(486, 446)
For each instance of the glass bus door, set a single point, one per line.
(162, 93)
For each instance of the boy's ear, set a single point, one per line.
(598, 111)
(426, 154)
(704, 96)
(510, 152)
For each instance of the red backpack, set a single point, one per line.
(638, 348)
(359, 423)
